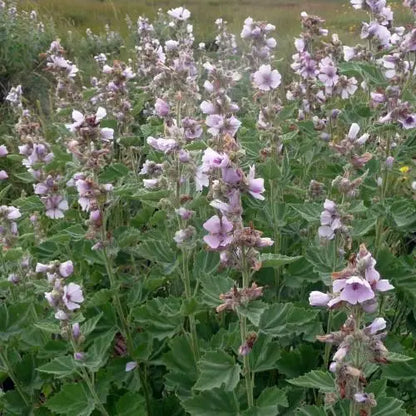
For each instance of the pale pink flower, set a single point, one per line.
(72, 296)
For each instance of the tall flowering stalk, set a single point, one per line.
(238, 245)
(355, 289)
(66, 299)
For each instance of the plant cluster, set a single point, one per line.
(191, 231)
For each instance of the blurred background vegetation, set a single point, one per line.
(22, 45)
(94, 14)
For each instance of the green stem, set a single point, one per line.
(15, 380)
(188, 294)
(249, 379)
(124, 326)
(99, 405)
(328, 345)
(356, 354)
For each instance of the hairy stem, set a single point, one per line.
(188, 294)
(124, 326)
(249, 379)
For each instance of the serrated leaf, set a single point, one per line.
(14, 318)
(252, 311)
(394, 357)
(277, 260)
(72, 399)
(160, 316)
(60, 366)
(264, 355)
(388, 406)
(400, 371)
(268, 403)
(217, 369)
(181, 366)
(97, 356)
(310, 411)
(298, 361)
(216, 402)
(284, 319)
(315, 380)
(88, 326)
(158, 251)
(213, 287)
(113, 172)
(310, 212)
(403, 212)
(206, 263)
(377, 387)
(363, 227)
(130, 404)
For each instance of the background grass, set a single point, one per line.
(77, 15)
(283, 13)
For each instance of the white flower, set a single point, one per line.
(266, 79)
(72, 296)
(180, 13)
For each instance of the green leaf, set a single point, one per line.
(213, 287)
(400, 371)
(284, 319)
(363, 227)
(311, 212)
(13, 254)
(277, 260)
(159, 251)
(264, 355)
(29, 204)
(388, 406)
(206, 263)
(60, 366)
(113, 172)
(217, 369)
(216, 402)
(88, 326)
(403, 212)
(72, 399)
(160, 316)
(253, 311)
(377, 387)
(315, 380)
(181, 366)
(268, 403)
(310, 411)
(97, 356)
(394, 357)
(25, 177)
(14, 319)
(298, 361)
(131, 404)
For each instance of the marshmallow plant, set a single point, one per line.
(176, 216)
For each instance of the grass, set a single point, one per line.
(77, 15)
(283, 13)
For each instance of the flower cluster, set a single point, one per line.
(261, 44)
(63, 298)
(358, 284)
(8, 225)
(239, 297)
(64, 72)
(93, 144)
(112, 89)
(37, 156)
(355, 288)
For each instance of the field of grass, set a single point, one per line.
(341, 18)
(283, 13)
